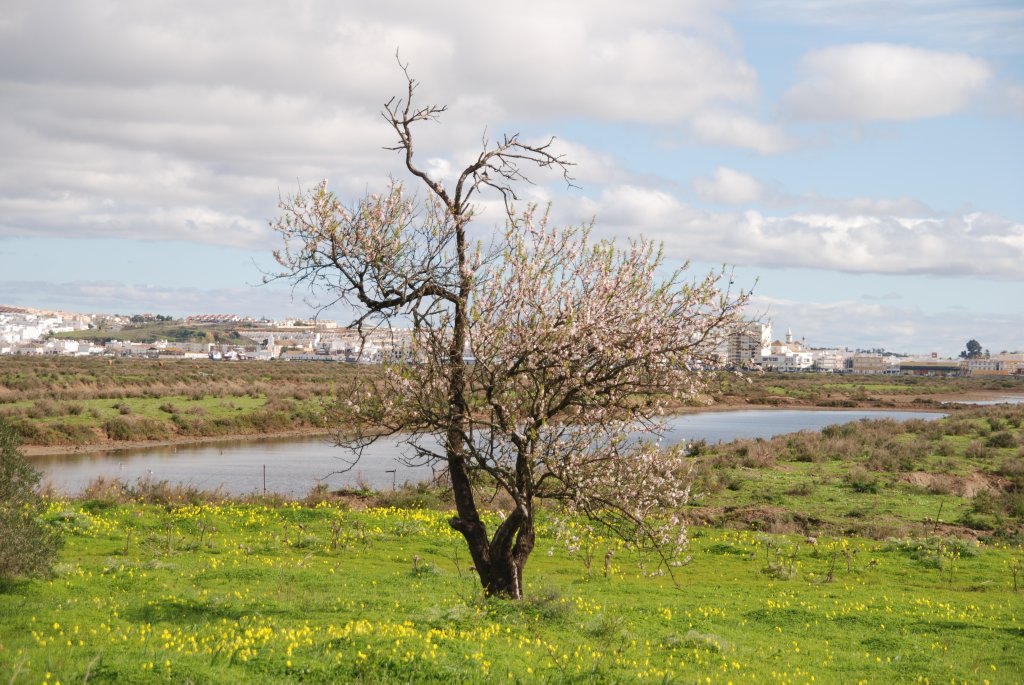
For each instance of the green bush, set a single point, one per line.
(121, 428)
(29, 546)
(860, 480)
(1002, 439)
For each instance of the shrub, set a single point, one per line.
(733, 480)
(801, 489)
(805, 446)
(29, 546)
(959, 427)
(120, 428)
(43, 408)
(837, 430)
(996, 423)
(415, 496)
(1001, 439)
(861, 480)
(1013, 504)
(976, 450)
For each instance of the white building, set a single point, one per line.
(748, 344)
(789, 361)
(830, 361)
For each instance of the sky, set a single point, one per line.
(858, 163)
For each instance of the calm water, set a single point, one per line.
(293, 466)
(1009, 399)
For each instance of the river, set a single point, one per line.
(293, 466)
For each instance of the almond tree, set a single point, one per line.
(534, 361)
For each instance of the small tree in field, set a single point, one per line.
(534, 360)
(27, 546)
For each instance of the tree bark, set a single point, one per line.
(468, 520)
(509, 552)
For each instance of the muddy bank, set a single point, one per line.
(184, 440)
(124, 445)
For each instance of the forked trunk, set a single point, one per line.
(505, 575)
(507, 554)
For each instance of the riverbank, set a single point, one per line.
(175, 441)
(291, 466)
(70, 406)
(106, 446)
(896, 403)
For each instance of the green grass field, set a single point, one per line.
(251, 593)
(871, 552)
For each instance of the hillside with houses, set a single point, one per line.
(230, 337)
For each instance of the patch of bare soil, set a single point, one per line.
(953, 484)
(760, 518)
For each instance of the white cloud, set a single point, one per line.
(114, 296)
(644, 210)
(991, 26)
(964, 244)
(906, 207)
(656, 63)
(739, 130)
(730, 187)
(591, 167)
(873, 81)
(1011, 99)
(184, 121)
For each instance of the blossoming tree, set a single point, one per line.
(535, 359)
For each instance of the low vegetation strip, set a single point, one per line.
(75, 403)
(251, 592)
(72, 403)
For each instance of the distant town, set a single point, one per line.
(755, 347)
(228, 337)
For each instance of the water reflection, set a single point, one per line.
(294, 466)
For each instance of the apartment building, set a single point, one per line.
(746, 346)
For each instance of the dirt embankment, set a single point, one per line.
(121, 445)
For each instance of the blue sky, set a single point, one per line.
(861, 161)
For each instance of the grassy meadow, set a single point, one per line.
(299, 592)
(875, 552)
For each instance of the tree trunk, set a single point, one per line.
(467, 520)
(509, 550)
